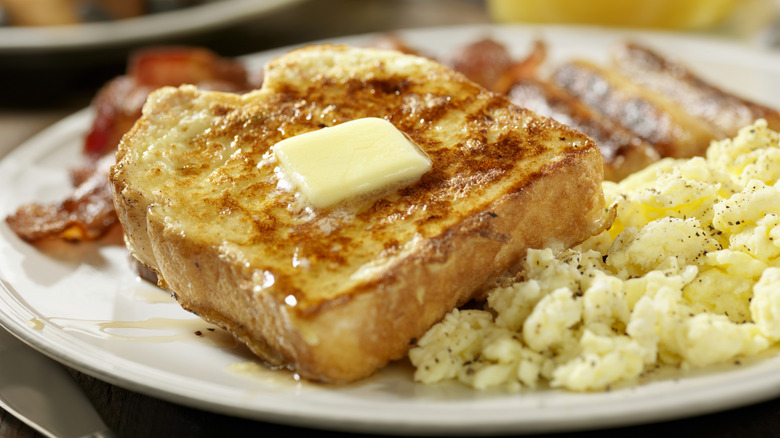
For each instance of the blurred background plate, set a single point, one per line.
(149, 27)
(63, 65)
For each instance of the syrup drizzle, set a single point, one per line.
(153, 330)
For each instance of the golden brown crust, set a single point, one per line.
(336, 294)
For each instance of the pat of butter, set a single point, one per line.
(348, 160)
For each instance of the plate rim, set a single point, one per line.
(327, 420)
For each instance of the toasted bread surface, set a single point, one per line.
(336, 294)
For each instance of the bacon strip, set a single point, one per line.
(88, 212)
(489, 63)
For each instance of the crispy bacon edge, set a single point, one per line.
(87, 213)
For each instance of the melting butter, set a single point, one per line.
(346, 161)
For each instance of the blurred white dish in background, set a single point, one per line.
(197, 18)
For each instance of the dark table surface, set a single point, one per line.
(40, 88)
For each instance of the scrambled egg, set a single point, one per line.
(687, 276)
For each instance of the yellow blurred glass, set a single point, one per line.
(667, 14)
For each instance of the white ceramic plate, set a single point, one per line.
(83, 306)
(132, 30)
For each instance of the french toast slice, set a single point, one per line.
(337, 293)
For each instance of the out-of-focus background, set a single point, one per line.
(54, 54)
(60, 48)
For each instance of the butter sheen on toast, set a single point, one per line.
(335, 294)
